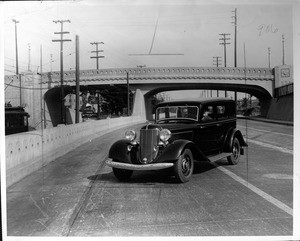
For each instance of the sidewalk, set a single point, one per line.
(263, 119)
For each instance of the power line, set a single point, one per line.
(24, 88)
(18, 61)
(9, 70)
(117, 54)
(15, 66)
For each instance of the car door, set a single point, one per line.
(226, 120)
(207, 135)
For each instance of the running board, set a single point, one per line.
(220, 156)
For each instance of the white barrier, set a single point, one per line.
(29, 151)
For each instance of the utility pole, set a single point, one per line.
(235, 37)
(17, 62)
(235, 46)
(41, 87)
(224, 39)
(269, 57)
(16, 40)
(128, 103)
(61, 40)
(51, 61)
(97, 53)
(283, 63)
(77, 80)
(216, 61)
(29, 59)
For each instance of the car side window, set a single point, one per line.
(222, 112)
(208, 114)
(231, 110)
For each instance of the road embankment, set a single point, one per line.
(28, 152)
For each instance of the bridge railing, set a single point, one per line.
(120, 73)
(29, 151)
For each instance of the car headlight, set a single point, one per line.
(164, 135)
(130, 135)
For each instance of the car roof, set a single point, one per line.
(195, 101)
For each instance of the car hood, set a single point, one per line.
(171, 126)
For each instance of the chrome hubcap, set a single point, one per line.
(235, 151)
(186, 165)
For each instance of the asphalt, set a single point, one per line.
(46, 202)
(35, 208)
(263, 119)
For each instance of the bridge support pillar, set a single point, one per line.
(139, 104)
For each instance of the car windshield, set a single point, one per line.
(177, 112)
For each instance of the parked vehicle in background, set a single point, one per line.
(16, 120)
(184, 131)
(89, 114)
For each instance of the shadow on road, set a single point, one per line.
(151, 177)
(201, 167)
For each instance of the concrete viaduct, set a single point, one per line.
(146, 82)
(258, 82)
(29, 151)
(255, 81)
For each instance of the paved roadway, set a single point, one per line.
(78, 196)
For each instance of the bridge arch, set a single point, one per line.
(254, 90)
(53, 101)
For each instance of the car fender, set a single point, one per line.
(173, 151)
(232, 133)
(118, 151)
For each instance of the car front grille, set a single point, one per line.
(148, 145)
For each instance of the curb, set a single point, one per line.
(279, 122)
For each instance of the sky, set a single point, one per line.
(189, 28)
(186, 27)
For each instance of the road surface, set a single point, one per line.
(77, 195)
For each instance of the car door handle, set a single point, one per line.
(202, 127)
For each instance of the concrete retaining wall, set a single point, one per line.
(27, 152)
(282, 108)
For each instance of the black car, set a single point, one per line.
(89, 114)
(16, 120)
(183, 132)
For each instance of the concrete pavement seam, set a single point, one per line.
(256, 190)
(278, 148)
(82, 202)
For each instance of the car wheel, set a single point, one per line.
(122, 174)
(184, 166)
(236, 152)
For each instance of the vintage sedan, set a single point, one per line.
(183, 132)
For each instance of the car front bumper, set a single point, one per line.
(142, 167)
